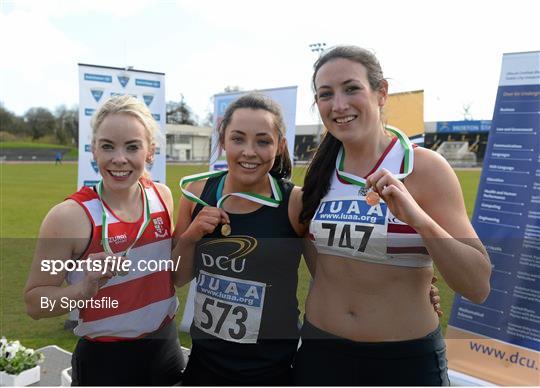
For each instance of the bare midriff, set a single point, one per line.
(369, 302)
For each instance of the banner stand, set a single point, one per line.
(96, 85)
(499, 340)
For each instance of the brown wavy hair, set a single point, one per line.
(322, 166)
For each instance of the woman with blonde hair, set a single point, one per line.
(102, 239)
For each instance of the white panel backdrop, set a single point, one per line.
(96, 85)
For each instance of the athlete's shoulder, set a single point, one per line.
(166, 195)
(85, 193)
(429, 163)
(295, 207)
(432, 177)
(164, 191)
(66, 220)
(296, 193)
(197, 187)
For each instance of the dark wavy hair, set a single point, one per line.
(322, 166)
(282, 166)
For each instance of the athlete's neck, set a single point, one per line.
(361, 157)
(232, 185)
(122, 199)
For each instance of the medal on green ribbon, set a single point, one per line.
(258, 198)
(105, 223)
(372, 198)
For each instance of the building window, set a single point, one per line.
(182, 139)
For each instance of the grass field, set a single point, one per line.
(28, 144)
(28, 191)
(70, 152)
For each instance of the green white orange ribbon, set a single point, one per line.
(105, 216)
(258, 198)
(408, 160)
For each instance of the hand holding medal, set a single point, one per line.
(373, 197)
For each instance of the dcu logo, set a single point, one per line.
(94, 166)
(123, 79)
(148, 98)
(97, 94)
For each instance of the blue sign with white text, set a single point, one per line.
(507, 220)
(97, 77)
(465, 126)
(147, 82)
(352, 210)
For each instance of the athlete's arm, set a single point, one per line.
(64, 234)
(450, 238)
(308, 250)
(431, 202)
(187, 232)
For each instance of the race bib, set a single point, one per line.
(350, 227)
(229, 308)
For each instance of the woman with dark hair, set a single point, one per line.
(380, 213)
(238, 234)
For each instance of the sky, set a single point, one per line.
(450, 49)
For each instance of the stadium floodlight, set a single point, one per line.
(317, 47)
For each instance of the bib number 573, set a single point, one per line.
(217, 312)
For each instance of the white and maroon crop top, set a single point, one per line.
(345, 225)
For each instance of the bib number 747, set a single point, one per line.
(345, 237)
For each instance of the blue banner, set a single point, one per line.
(466, 126)
(147, 82)
(507, 220)
(97, 77)
(355, 210)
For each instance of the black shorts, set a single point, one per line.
(198, 373)
(153, 360)
(325, 359)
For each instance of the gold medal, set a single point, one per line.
(225, 230)
(120, 268)
(122, 273)
(372, 198)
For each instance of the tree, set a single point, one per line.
(39, 122)
(10, 122)
(67, 125)
(6, 119)
(180, 113)
(208, 120)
